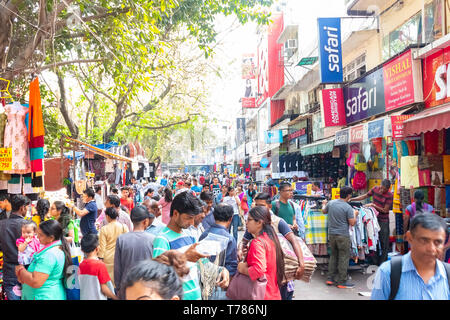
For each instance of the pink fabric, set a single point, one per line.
(262, 260)
(34, 244)
(165, 214)
(16, 137)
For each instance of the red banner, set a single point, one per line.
(435, 78)
(398, 82)
(333, 107)
(397, 126)
(297, 134)
(248, 102)
(357, 134)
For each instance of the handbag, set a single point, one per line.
(244, 204)
(72, 284)
(243, 288)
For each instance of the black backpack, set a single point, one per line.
(396, 273)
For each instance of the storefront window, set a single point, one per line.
(407, 34)
(433, 21)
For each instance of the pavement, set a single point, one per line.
(318, 290)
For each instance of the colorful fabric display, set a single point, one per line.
(409, 172)
(424, 178)
(316, 228)
(446, 163)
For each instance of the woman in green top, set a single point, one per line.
(44, 278)
(61, 213)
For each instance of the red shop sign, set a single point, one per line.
(436, 71)
(333, 107)
(357, 134)
(297, 134)
(397, 126)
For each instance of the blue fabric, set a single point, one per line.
(218, 198)
(235, 224)
(231, 260)
(197, 189)
(163, 182)
(87, 222)
(155, 230)
(209, 220)
(73, 290)
(447, 196)
(412, 286)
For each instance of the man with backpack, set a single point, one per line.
(419, 274)
(286, 209)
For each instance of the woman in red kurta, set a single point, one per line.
(265, 256)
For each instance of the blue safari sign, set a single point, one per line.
(330, 50)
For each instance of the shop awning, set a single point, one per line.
(321, 146)
(437, 118)
(101, 152)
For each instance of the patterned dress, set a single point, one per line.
(16, 137)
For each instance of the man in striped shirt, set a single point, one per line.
(185, 206)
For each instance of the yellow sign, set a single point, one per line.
(309, 189)
(5, 159)
(90, 174)
(335, 193)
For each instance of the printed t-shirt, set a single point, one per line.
(286, 211)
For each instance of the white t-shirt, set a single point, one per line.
(232, 202)
(99, 201)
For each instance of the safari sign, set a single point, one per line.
(330, 50)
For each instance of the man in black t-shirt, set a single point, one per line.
(88, 214)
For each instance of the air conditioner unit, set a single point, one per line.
(291, 44)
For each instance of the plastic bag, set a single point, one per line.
(212, 245)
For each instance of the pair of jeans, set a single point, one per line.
(235, 224)
(219, 294)
(339, 257)
(384, 241)
(285, 294)
(11, 286)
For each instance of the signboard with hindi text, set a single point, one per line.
(5, 159)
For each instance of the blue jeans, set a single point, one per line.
(219, 294)
(235, 224)
(285, 294)
(10, 281)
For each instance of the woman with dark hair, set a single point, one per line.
(232, 199)
(158, 279)
(108, 238)
(417, 207)
(165, 204)
(50, 266)
(265, 255)
(42, 211)
(61, 213)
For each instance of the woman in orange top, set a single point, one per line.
(265, 256)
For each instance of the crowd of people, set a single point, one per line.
(177, 238)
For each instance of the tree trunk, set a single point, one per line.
(63, 108)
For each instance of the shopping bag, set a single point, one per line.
(243, 288)
(72, 284)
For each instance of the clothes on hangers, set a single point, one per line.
(36, 133)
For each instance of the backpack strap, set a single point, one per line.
(396, 273)
(447, 270)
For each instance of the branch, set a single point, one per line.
(64, 63)
(161, 127)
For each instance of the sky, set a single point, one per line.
(226, 91)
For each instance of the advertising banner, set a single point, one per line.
(333, 107)
(365, 97)
(375, 129)
(240, 131)
(435, 77)
(248, 66)
(397, 126)
(341, 138)
(356, 134)
(330, 50)
(273, 136)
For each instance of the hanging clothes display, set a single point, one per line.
(409, 172)
(3, 117)
(36, 134)
(16, 138)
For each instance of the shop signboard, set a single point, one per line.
(301, 187)
(333, 107)
(356, 134)
(399, 82)
(397, 126)
(375, 129)
(341, 138)
(330, 50)
(297, 134)
(436, 72)
(273, 136)
(365, 97)
(240, 131)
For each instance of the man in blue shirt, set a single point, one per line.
(209, 220)
(423, 275)
(163, 181)
(223, 214)
(195, 187)
(88, 214)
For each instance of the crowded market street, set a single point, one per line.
(224, 150)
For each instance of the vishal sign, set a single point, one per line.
(330, 50)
